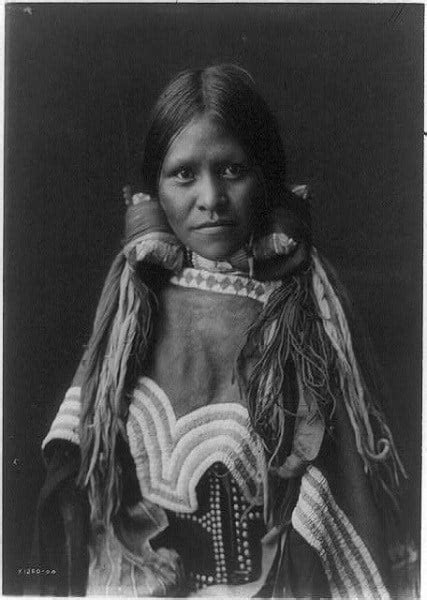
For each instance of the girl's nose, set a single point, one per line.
(211, 195)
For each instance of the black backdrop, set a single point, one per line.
(346, 84)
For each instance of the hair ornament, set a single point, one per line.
(275, 244)
(148, 236)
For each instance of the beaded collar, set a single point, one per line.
(232, 284)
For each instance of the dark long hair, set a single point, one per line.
(228, 94)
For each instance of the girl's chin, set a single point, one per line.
(216, 245)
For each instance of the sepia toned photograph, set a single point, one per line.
(213, 300)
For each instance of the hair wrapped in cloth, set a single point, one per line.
(304, 325)
(120, 338)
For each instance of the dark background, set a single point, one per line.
(346, 82)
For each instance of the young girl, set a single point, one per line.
(219, 437)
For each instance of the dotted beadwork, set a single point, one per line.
(231, 531)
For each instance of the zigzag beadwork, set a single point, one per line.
(349, 567)
(234, 285)
(171, 455)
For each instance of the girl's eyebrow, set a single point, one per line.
(228, 155)
(179, 160)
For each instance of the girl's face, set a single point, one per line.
(209, 189)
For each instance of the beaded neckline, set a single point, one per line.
(232, 284)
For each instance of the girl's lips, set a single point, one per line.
(215, 224)
(211, 229)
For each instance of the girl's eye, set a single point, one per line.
(184, 174)
(233, 171)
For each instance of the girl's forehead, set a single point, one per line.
(204, 137)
